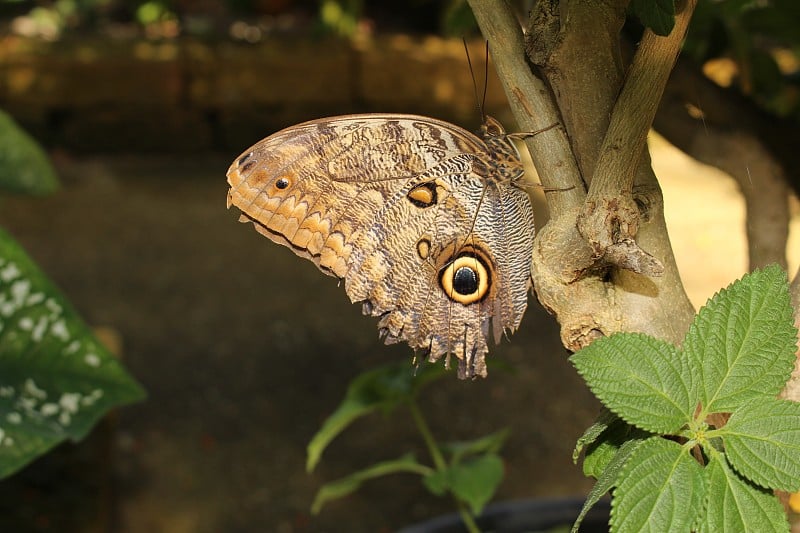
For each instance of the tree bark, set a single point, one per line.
(792, 389)
(598, 281)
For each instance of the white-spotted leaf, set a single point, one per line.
(56, 379)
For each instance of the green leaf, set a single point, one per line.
(24, 167)
(349, 484)
(56, 379)
(607, 478)
(762, 441)
(732, 504)
(660, 489)
(382, 389)
(743, 341)
(606, 449)
(457, 19)
(642, 379)
(474, 481)
(658, 15)
(489, 444)
(605, 419)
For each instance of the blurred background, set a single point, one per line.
(244, 348)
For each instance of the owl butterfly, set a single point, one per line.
(427, 224)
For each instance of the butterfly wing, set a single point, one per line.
(450, 277)
(392, 205)
(310, 186)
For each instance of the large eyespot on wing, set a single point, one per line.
(449, 310)
(467, 277)
(487, 281)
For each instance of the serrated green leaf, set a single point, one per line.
(732, 504)
(762, 442)
(604, 420)
(488, 444)
(598, 456)
(56, 379)
(743, 341)
(349, 484)
(607, 478)
(601, 452)
(658, 15)
(642, 379)
(660, 489)
(381, 389)
(24, 167)
(473, 482)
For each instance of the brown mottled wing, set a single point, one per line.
(389, 203)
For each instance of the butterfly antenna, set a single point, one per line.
(485, 79)
(479, 102)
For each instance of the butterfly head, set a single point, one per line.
(491, 127)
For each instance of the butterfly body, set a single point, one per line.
(426, 223)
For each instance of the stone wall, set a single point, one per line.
(98, 95)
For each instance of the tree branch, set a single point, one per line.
(792, 389)
(719, 127)
(610, 218)
(532, 105)
(794, 293)
(575, 47)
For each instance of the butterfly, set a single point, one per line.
(428, 225)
